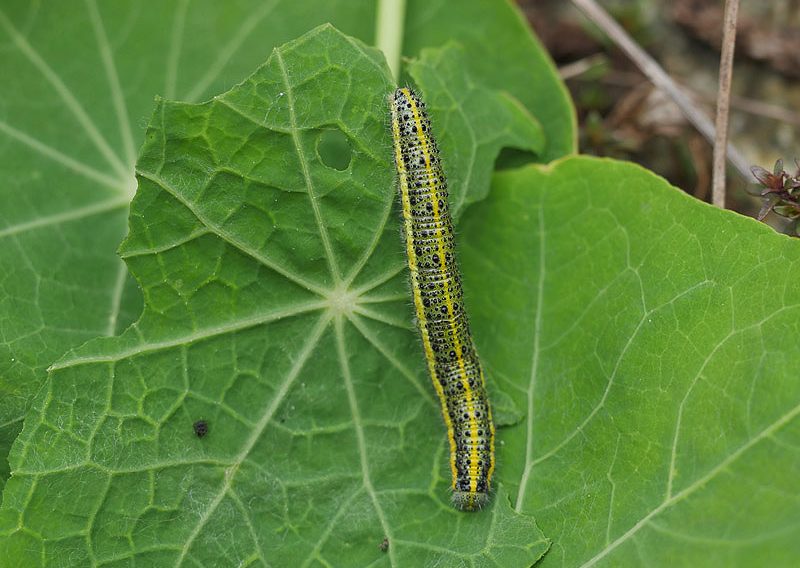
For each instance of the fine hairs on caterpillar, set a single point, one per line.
(438, 300)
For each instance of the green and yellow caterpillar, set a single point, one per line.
(438, 299)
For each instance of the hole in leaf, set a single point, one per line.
(334, 149)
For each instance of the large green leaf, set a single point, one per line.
(652, 341)
(276, 310)
(81, 78)
(84, 78)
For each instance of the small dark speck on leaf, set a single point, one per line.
(200, 428)
(384, 545)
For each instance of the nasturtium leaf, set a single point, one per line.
(652, 342)
(79, 88)
(82, 76)
(276, 311)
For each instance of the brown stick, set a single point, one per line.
(723, 102)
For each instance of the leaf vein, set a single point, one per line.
(304, 166)
(263, 422)
(120, 108)
(66, 95)
(697, 484)
(231, 239)
(198, 335)
(359, 429)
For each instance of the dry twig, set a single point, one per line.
(723, 102)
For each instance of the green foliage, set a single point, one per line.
(74, 114)
(639, 344)
(276, 310)
(649, 339)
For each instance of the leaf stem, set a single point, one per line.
(389, 28)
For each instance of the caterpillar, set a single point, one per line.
(453, 363)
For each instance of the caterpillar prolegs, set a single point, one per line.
(438, 300)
